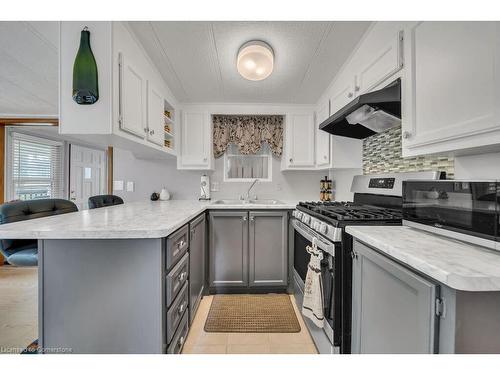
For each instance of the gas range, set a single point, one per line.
(329, 218)
(377, 201)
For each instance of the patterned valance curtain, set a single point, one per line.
(248, 133)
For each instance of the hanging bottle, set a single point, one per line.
(85, 87)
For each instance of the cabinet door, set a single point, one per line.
(228, 248)
(268, 248)
(300, 141)
(393, 309)
(451, 97)
(132, 95)
(197, 256)
(342, 94)
(156, 107)
(322, 137)
(195, 140)
(379, 66)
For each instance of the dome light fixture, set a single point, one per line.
(255, 60)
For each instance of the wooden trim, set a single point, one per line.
(28, 121)
(4, 121)
(110, 169)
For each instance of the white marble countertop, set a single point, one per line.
(130, 220)
(454, 263)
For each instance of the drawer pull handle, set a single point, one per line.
(181, 244)
(182, 276)
(180, 342)
(181, 308)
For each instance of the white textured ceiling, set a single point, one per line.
(29, 68)
(198, 59)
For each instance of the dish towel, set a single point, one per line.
(312, 306)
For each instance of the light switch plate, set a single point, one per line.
(118, 185)
(130, 186)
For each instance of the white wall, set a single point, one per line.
(483, 166)
(149, 176)
(342, 179)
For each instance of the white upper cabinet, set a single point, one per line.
(133, 94)
(299, 141)
(132, 101)
(377, 66)
(451, 97)
(196, 141)
(156, 108)
(322, 138)
(342, 93)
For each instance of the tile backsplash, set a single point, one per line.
(382, 154)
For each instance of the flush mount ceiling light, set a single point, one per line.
(255, 60)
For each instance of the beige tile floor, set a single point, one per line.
(18, 307)
(201, 342)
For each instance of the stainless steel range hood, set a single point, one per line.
(368, 114)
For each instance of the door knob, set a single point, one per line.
(291, 160)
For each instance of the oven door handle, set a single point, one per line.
(308, 234)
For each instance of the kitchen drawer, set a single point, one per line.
(176, 246)
(176, 311)
(176, 279)
(180, 336)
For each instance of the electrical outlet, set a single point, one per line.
(118, 185)
(215, 186)
(130, 186)
(279, 187)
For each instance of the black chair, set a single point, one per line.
(106, 200)
(25, 252)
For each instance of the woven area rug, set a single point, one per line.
(272, 313)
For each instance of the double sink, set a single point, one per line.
(242, 202)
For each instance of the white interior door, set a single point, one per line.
(87, 174)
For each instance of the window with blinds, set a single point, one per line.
(35, 168)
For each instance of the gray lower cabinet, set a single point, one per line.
(393, 308)
(228, 250)
(248, 249)
(197, 263)
(268, 248)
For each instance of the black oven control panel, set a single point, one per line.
(382, 183)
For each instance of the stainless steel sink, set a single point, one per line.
(265, 201)
(252, 201)
(230, 201)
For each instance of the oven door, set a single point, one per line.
(303, 237)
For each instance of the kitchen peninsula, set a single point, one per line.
(104, 282)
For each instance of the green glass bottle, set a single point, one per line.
(85, 88)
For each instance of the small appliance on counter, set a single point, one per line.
(463, 210)
(204, 188)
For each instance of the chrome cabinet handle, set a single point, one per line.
(244, 218)
(406, 135)
(151, 132)
(181, 308)
(145, 130)
(325, 157)
(181, 244)
(182, 276)
(357, 88)
(291, 160)
(252, 218)
(350, 95)
(180, 342)
(205, 159)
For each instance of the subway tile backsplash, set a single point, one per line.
(382, 154)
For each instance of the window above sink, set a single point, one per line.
(246, 168)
